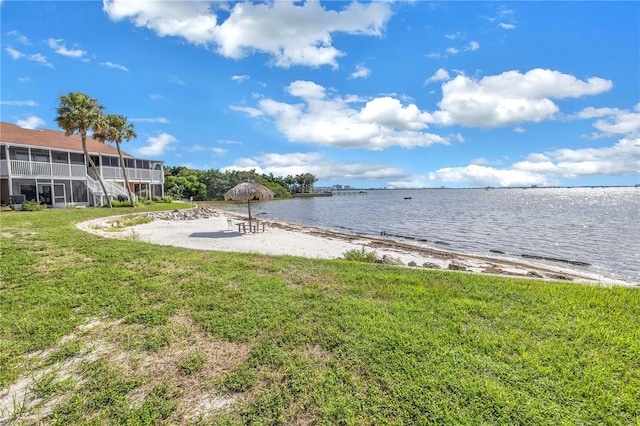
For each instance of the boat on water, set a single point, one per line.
(408, 198)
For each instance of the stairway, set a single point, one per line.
(113, 189)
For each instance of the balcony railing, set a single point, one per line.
(115, 173)
(20, 168)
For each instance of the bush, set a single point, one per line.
(33, 206)
(360, 256)
(166, 199)
(116, 203)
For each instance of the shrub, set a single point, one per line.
(33, 206)
(360, 256)
(116, 203)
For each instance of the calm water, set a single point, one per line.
(600, 226)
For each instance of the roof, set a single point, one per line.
(13, 134)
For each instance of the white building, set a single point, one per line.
(49, 167)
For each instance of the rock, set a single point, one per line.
(457, 267)
(560, 277)
(412, 263)
(493, 269)
(534, 274)
(187, 214)
(390, 260)
(430, 265)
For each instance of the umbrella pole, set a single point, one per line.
(249, 205)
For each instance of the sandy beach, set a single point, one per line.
(220, 232)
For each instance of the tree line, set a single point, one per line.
(181, 182)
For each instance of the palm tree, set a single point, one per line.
(115, 128)
(78, 112)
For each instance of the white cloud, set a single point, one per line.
(344, 122)
(240, 78)
(14, 53)
(157, 145)
(252, 112)
(156, 96)
(24, 80)
(360, 72)
(479, 176)
(215, 150)
(312, 162)
(455, 36)
(591, 112)
(613, 121)
(58, 46)
(116, 66)
(36, 57)
(31, 122)
(291, 33)
(19, 103)
(439, 75)
(511, 97)
(160, 120)
(41, 59)
(229, 142)
(307, 90)
(390, 113)
(621, 159)
(435, 55)
(473, 45)
(506, 26)
(19, 38)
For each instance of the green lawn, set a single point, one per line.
(105, 331)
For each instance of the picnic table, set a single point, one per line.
(253, 226)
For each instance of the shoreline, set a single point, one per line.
(213, 233)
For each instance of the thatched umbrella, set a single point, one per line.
(249, 190)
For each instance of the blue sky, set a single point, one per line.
(374, 94)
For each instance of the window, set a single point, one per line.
(41, 156)
(29, 192)
(110, 161)
(77, 158)
(59, 157)
(22, 154)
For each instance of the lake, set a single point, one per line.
(598, 226)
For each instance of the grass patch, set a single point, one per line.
(193, 363)
(109, 331)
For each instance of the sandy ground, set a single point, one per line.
(281, 238)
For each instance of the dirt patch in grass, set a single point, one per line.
(49, 262)
(198, 395)
(189, 364)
